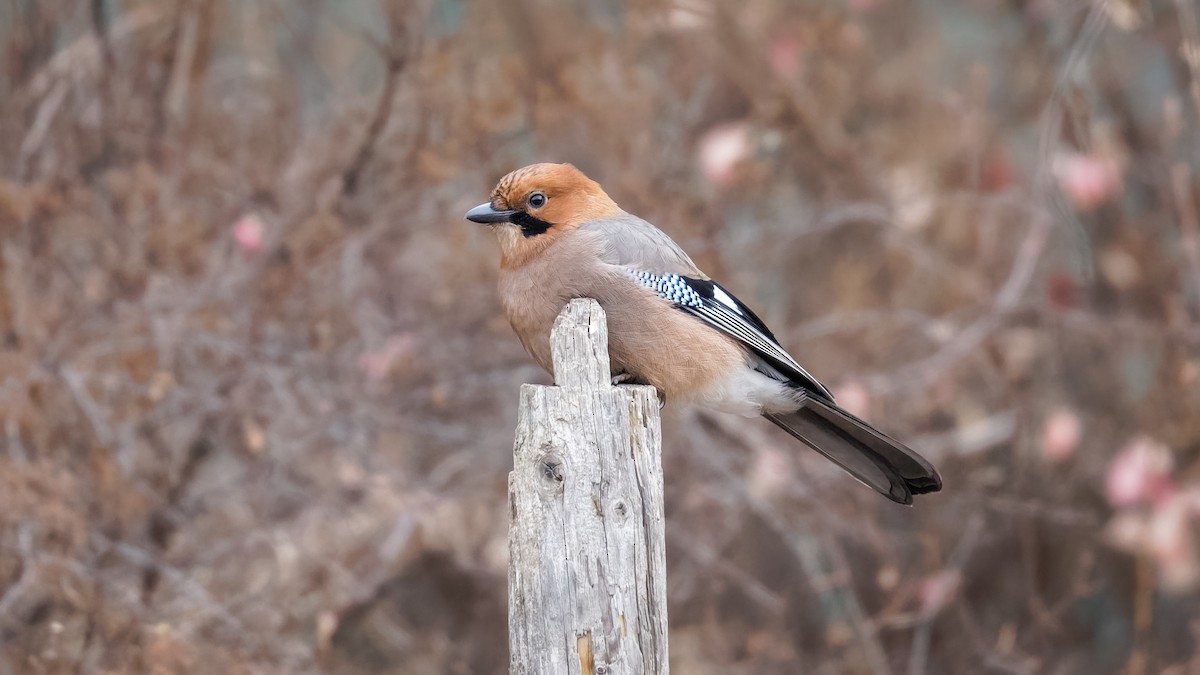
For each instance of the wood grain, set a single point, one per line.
(587, 569)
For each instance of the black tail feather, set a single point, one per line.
(876, 460)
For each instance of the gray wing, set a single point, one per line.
(632, 242)
(706, 300)
(656, 261)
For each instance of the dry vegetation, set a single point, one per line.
(256, 394)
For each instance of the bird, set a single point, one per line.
(669, 324)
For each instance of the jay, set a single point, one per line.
(669, 324)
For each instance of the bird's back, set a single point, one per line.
(630, 241)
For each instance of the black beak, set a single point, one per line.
(484, 213)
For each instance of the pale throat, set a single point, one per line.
(517, 250)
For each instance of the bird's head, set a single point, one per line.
(533, 206)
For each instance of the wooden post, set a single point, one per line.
(587, 568)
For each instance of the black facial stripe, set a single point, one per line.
(530, 226)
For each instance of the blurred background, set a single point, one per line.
(257, 394)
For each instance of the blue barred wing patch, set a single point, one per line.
(708, 302)
(671, 287)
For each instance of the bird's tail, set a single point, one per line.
(870, 456)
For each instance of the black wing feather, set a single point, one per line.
(722, 310)
(872, 457)
(706, 288)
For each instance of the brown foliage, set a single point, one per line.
(256, 395)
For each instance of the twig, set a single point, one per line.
(79, 60)
(16, 448)
(101, 28)
(1181, 179)
(41, 125)
(848, 321)
(396, 59)
(969, 439)
(15, 591)
(1131, 326)
(1143, 614)
(919, 657)
(711, 559)
(175, 102)
(1025, 263)
(838, 600)
(383, 110)
(175, 576)
(881, 217)
(87, 404)
(1062, 516)
(1190, 49)
(1050, 125)
(971, 337)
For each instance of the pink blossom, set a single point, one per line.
(686, 16)
(938, 590)
(248, 233)
(721, 149)
(785, 57)
(1166, 534)
(1173, 544)
(770, 472)
(378, 363)
(1060, 435)
(998, 174)
(1127, 531)
(1061, 291)
(1141, 472)
(1087, 180)
(854, 397)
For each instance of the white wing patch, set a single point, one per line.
(723, 312)
(724, 298)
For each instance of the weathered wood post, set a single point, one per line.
(587, 568)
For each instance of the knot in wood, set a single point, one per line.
(552, 468)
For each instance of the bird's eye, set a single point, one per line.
(537, 200)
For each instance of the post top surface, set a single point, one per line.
(579, 346)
